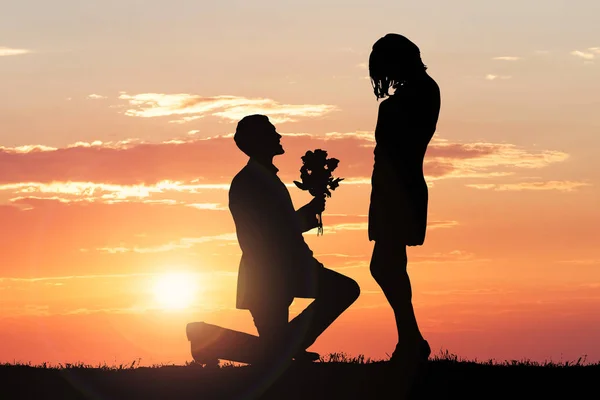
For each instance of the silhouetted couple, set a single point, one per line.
(277, 265)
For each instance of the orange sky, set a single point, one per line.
(115, 157)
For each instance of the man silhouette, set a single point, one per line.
(277, 264)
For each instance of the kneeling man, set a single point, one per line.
(277, 264)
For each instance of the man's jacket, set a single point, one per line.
(277, 264)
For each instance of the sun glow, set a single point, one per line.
(175, 291)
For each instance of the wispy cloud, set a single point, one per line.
(74, 277)
(208, 206)
(586, 55)
(507, 58)
(183, 243)
(8, 51)
(492, 77)
(76, 192)
(454, 256)
(562, 186)
(346, 50)
(190, 107)
(352, 226)
(94, 96)
(582, 261)
(367, 136)
(466, 292)
(185, 120)
(32, 148)
(481, 159)
(441, 224)
(363, 226)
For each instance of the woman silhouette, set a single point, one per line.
(398, 211)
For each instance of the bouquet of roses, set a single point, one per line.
(316, 177)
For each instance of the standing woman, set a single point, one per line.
(398, 211)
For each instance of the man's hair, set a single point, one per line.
(244, 135)
(392, 59)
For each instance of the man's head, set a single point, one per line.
(257, 137)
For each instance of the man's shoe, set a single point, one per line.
(306, 357)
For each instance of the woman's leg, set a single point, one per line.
(388, 268)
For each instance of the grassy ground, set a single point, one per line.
(335, 377)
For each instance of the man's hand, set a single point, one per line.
(317, 205)
(308, 213)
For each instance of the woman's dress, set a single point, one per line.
(399, 197)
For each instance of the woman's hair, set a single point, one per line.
(393, 60)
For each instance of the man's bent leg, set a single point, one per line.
(335, 293)
(271, 321)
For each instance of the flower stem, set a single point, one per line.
(320, 226)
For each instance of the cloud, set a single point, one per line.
(130, 162)
(441, 224)
(454, 256)
(347, 50)
(356, 226)
(183, 243)
(562, 186)
(363, 226)
(186, 119)
(208, 206)
(147, 234)
(26, 149)
(366, 136)
(74, 192)
(75, 277)
(507, 58)
(466, 292)
(96, 97)
(583, 54)
(595, 50)
(7, 51)
(583, 261)
(492, 77)
(133, 170)
(446, 159)
(189, 107)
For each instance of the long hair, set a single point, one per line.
(393, 60)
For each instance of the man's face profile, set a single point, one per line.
(269, 139)
(257, 137)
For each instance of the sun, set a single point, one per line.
(175, 291)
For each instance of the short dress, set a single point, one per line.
(399, 196)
